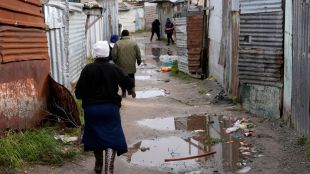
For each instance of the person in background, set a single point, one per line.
(155, 29)
(169, 28)
(126, 53)
(98, 87)
(114, 38)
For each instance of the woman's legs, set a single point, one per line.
(99, 161)
(109, 161)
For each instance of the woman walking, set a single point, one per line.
(98, 88)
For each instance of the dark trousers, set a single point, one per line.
(132, 76)
(157, 33)
(169, 37)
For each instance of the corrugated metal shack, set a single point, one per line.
(261, 56)
(24, 66)
(66, 38)
(132, 17)
(301, 66)
(102, 22)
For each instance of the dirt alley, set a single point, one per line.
(177, 122)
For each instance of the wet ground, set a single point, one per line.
(172, 118)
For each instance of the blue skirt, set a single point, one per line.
(103, 128)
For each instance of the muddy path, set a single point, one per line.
(173, 118)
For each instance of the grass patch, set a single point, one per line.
(212, 141)
(234, 100)
(140, 31)
(81, 110)
(301, 140)
(34, 146)
(176, 72)
(308, 150)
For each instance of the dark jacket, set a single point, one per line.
(155, 25)
(99, 82)
(126, 53)
(169, 27)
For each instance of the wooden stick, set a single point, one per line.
(190, 157)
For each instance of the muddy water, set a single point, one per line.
(153, 152)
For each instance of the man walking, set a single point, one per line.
(169, 28)
(155, 29)
(126, 53)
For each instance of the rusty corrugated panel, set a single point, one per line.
(22, 13)
(301, 67)
(261, 47)
(23, 93)
(61, 104)
(19, 44)
(194, 42)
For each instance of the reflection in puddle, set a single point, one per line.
(227, 151)
(150, 93)
(159, 123)
(142, 77)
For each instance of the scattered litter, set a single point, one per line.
(248, 134)
(231, 129)
(258, 156)
(143, 149)
(197, 131)
(66, 139)
(190, 157)
(208, 94)
(245, 169)
(195, 172)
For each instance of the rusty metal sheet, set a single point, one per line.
(22, 13)
(194, 42)
(62, 105)
(261, 48)
(23, 93)
(235, 54)
(19, 44)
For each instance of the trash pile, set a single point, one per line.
(244, 127)
(167, 61)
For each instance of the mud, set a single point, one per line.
(163, 127)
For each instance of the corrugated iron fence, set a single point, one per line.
(101, 23)
(301, 67)
(181, 42)
(67, 40)
(261, 42)
(260, 64)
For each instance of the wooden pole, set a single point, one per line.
(190, 157)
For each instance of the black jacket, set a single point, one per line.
(99, 82)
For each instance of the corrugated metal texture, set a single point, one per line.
(139, 19)
(261, 48)
(77, 41)
(150, 14)
(194, 42)
(23, 93)
(104, 23)
(55, 20)
(181, 43)
(22, 13)
(165, 11)
(301, 67)
(95, 32)
(260, 6)
(18, 44)
(288, 57)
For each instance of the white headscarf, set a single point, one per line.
(101, 49)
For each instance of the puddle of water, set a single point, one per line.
(227, 158)
(150, 93)
(142, 77)
(159, 123)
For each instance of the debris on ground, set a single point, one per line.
(245, 169)
(143, 149)
(190, 157)
(66, 139)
